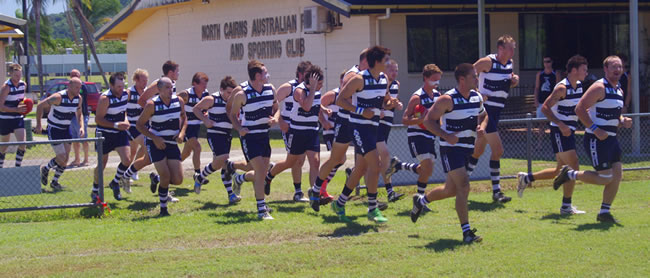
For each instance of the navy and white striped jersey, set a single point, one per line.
(564, 109)
(217, 113)
(345, 114)
(606, 113)
(463, 118)
(61, 115)
(192, 99)
(15, 96)
(288, 102)
(370, 97)
(133, 109)
(116, 110)
(257, 109)
(426, 101)
(496, 83)
(306, 120)
(335, 111)
(165, 121)
(389, 114)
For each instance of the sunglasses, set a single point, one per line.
(547, 61)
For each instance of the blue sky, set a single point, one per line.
(8, 7)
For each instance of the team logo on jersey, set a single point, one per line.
(474, 99)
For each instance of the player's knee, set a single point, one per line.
(176, 179)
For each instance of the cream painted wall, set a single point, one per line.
(148, 46)
(3, 70)
(504, 23)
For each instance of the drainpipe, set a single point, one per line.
(384, 17)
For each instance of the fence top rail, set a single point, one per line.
(524, 120)
(98, 139)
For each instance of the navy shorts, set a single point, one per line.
(54, 133)
(219, 143)
(171, 151)
(365, 138)
(192, 131)
(113, 141)
(494, 114)
(343, 131)
(603, 153)
(256, 144)
(7, 126)
(301, 141)
(422, 148)
(133, 133)
(329, 140)
(562, 143)
(453, 158)
(383, 132)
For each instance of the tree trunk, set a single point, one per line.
(37, 16)
(68, 17)
(88, 37)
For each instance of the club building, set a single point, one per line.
(219, 37)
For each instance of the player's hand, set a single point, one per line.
(565, 130)
(159, 142)
(179, 137)
(209, 123)
(627, 122)
(400, 105)
(368, 113)
(451, 138)
(123, 126)
(81, 132)
(284, 126)
(381, 114)
(38, 129)
(327, 111)
(243, 131)
(600, 134)
(21, 109)
(514, 80)
(313, 82)
(480, 131)
(273, 120)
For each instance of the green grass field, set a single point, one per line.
(206, 238)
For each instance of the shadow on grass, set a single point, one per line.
(288, 206)
(181, 192)
(141, 205)
(596, 226)
(93, 212)
(234, 217)
(350, 229)
(555, 216)
(442, 245)
(210, 205)
(484, 206)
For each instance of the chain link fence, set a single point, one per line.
(527, 148)
(21, 188)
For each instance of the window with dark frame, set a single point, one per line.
(444, 40)
(560, 36)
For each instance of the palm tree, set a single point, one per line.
(77, 6)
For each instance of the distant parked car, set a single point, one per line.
(91, 89)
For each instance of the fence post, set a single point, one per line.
(357, 190)
(529, 141)
(100, 167)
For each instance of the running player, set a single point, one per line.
(302, 137)
(170, 70)
(286, 100)
(421, 141)
(329, 114)
(495, 80)
(191, 97)
(599, 109)
(64, 106)
(258, 104)
(112, 123)
(559, 108)
(342, 139)
(364, 95)
(456, 117)
(11, 109)
(166, 115)
(219, 138)
(133, 111)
